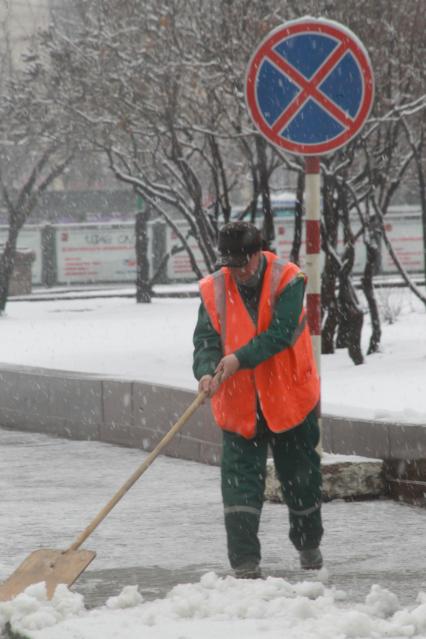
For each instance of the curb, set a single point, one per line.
(138, 414)
(351, 480)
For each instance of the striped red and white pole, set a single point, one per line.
(313, 252)
(313, 256)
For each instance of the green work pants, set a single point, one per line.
(243, 471)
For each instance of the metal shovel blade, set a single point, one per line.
(52, 566)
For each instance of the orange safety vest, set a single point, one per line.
(287, 383)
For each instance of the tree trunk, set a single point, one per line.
(268, 220)
(351, 319)
(298, 218)
(368, 288)
(7, 263)
(143, 289)
(329, 329)
(329, 307)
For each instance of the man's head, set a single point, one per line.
(239, 247)
(237, 242)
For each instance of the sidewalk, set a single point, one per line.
(169, 528)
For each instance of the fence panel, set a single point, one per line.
(90, 253)
(29, 239)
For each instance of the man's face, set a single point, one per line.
(243, 273)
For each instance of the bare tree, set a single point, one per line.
(161, 93)
(361, 181)
(34, 150)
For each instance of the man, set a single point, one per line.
(253, 357)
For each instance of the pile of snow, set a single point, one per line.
(31, 610)
(216, 607)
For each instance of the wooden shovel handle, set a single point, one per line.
(139, 471)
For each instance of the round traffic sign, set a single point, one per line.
(310, 86)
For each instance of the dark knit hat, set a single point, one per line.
(237, 242)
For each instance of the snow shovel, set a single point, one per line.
(65, 566)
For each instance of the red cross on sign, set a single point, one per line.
(309, 86)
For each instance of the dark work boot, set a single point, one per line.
(310, 559)
(248, 571)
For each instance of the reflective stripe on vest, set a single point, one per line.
(220, 299)
(232, 510)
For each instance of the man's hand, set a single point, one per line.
(227, 366)
(208, 384)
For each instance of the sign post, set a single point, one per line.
(309, 89)
(313, 252)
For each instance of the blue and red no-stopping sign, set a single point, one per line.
(310, 86)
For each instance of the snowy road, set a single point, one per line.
(168, 529)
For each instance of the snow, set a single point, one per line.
(153, 343)
(216, 607)
(52, 488)
(328, 459)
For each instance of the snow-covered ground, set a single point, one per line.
(172, 521)
(153, 342)
(216, 608)
(50, 489)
